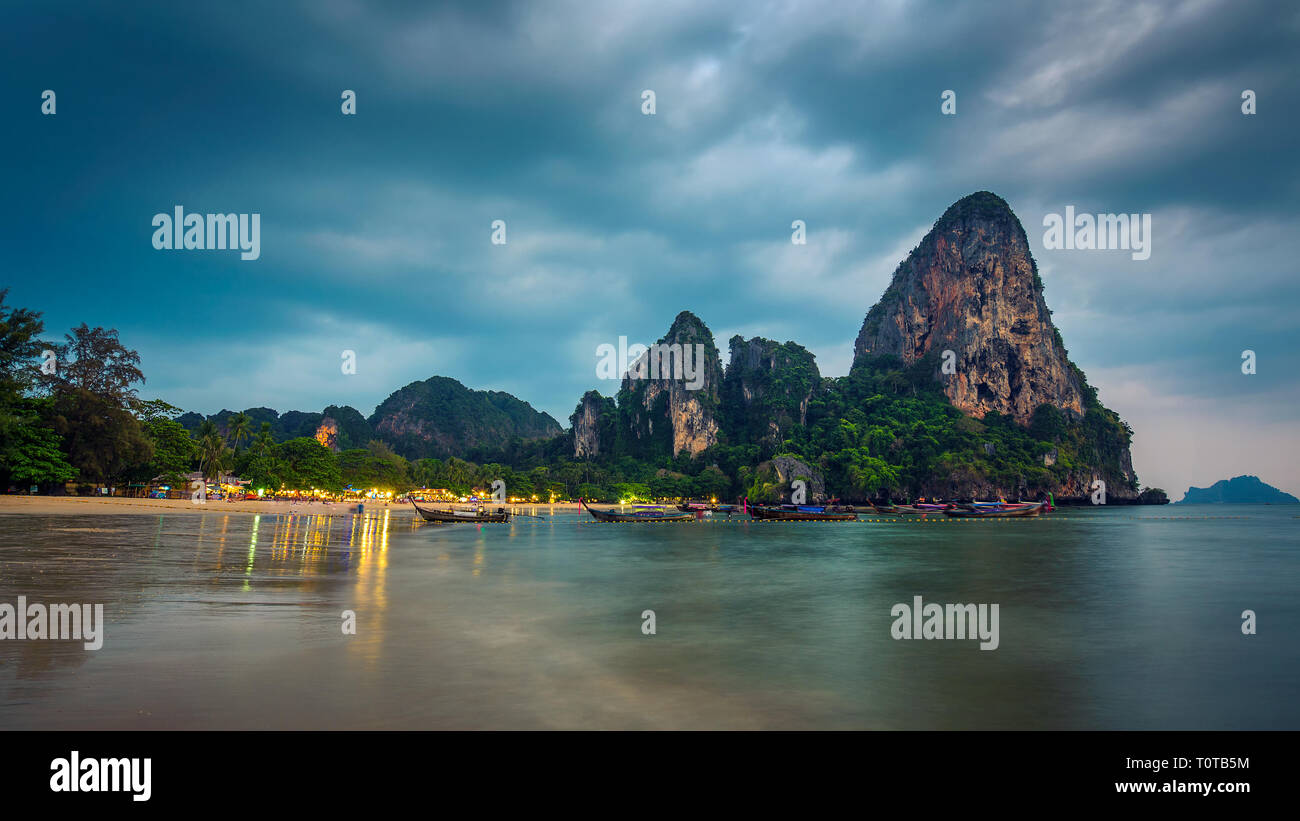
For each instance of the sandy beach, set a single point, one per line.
(89, 505)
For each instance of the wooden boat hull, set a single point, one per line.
(461, 517)
(613, 516)
(996, 513)
(724, 509)
(903, 510)
(776, 514)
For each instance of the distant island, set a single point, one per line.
(1240, 490)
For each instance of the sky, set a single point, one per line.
(376, 228)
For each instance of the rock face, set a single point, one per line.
(440, 417)
(971, 287)
(766, 389)
(784, 469)
(328, 433)
(591, 423)
(664, 410)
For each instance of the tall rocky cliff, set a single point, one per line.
(593, 422)
(971, 287)
(666, 411)
(766, 389)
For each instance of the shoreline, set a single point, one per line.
(117, 505)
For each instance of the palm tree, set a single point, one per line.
(239, 426)
(264, 441)
(212, 450)
(206, 428)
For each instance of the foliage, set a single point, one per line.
(308, 464)
(375, 466)
(31, 452)
(173, 452)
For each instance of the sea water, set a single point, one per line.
(1115, 618)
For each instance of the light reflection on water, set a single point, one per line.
(1123, 619)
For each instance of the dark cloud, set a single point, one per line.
(376, 228)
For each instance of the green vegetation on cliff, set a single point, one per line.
(440, 417)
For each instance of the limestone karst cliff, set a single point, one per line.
(766, 389)
(971, 287)
(668, 404)
(592, 423)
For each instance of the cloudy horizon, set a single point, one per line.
(375, 228)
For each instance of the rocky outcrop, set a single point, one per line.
(783, 470)
(590, 423)
(328, 433)
(669, 398)
(766, 389)
(972, 288)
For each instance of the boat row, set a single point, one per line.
(781, 513)
(967, 510)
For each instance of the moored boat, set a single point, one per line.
(707, 507)
(904, 510)
(640, 513)
(800, 513)
(1002, 512)
(479, 515)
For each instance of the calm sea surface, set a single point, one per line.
(1120, 618)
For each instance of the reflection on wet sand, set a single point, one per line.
(310, 556)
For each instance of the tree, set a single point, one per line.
(375, 466)
(30, 451)
(458, 474)
(100, 439)
(94, 361)
(712, 483)
(264, 441)
(427, 472)
(93, 402)
(212, 451)
(19, 346)
(238, 428)
(151, 409)
(32, 456)
(633, 492)
(173, 452)
(593, 493)
(309, 464)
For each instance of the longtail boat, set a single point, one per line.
(479, 515)
(904, 510)
(1004, 512)
(640, 513)
(707, 507)
(800, 513)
